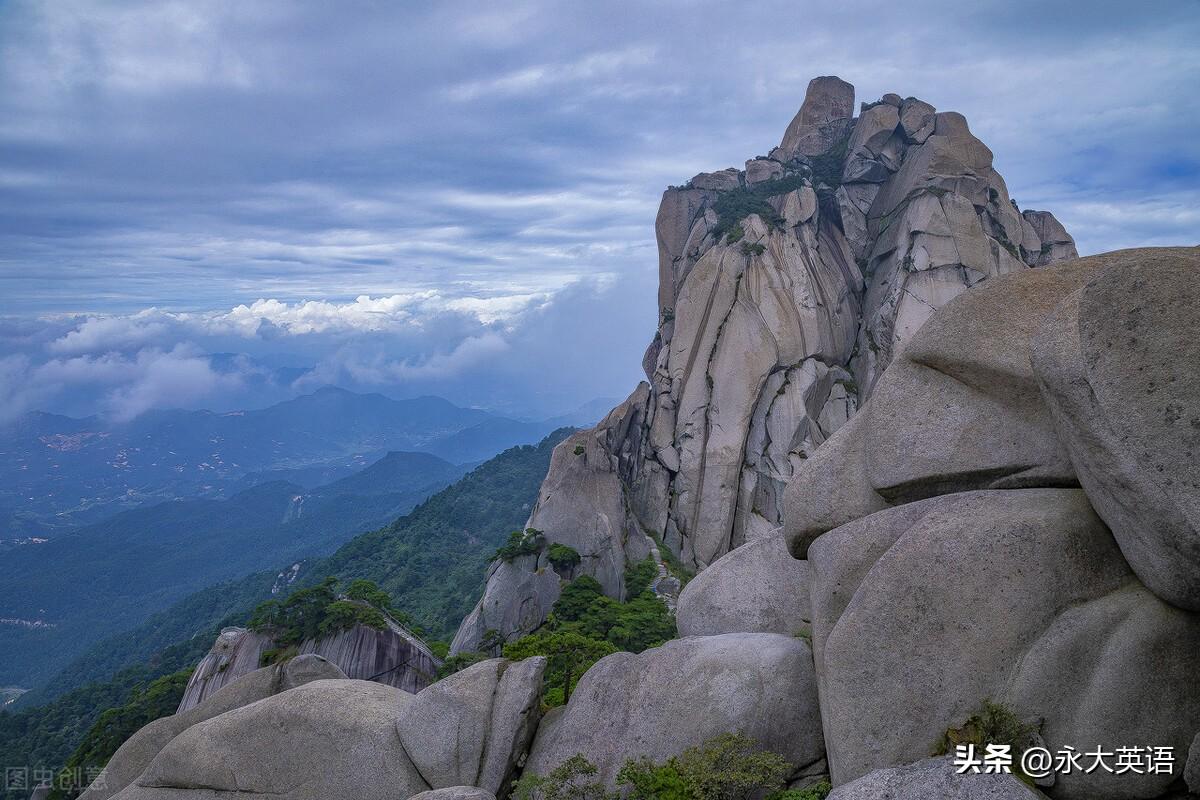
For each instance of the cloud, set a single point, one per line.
(120, 386)
(370, 366)
(529, 354)
(311, 188)
(102, 334)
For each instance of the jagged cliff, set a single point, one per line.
(391, 656)
(785, 289)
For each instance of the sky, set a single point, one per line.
(221, 204)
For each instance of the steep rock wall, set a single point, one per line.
(394, 657)
(785, 290)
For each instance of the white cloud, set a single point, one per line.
(101, 334)
(121, 386)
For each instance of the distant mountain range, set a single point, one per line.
(431, 561)
(59, 472)
(58, 596)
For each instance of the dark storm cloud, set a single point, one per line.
(194, 156)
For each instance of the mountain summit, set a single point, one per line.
(785, 290)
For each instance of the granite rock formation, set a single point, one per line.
(393, 656)
(785, 290)
(132, 758)
(953, 556)
(669, 698)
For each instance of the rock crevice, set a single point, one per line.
(785, 290)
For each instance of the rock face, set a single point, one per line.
(394, 656)
(758, 588)
(822, 121)
(322, 741)
(933, 778)
(784, 292)
(1109, 361)
(965, 390)
(235, 653)
(472, 727)
(292, 731)
(950, 561)
(132, 758)
(1068, 636)
(666, 699)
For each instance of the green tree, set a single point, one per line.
(640, 576)
(299, 617)
(645, 780)
(642, 623)
(520, 543)
(574, 779)
(459, 662)
(576, 596)
(562, 557)
(818, 791)
(731, 767)
(726, 767)
(115, 725)
(568, 656)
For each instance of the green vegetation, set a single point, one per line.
(755, 249)
(45, 737)
(562, 557)
(431, 562)
(586, 625)
(672, 562)
(574, 779)
(318, 611)
(735, 205)
(993, 724)
(579, 450)
(520, 543)
(827, 168)
(818, 791)
(726, 767)
(640, 577)
(568, 655)
(458, 663)
(114, 726)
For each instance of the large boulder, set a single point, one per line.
(132, 757)
(518, 597)
(934, 778)
(823, 119)
(472, 727)
(923, 612)
(326, 740)
(1117, 363)
(757, 588)
(958, 409)
(1053, 241)
(666, 699)
(236, 652)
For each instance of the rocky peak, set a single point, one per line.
(822, 121)
(785, 290)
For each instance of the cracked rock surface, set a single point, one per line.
(785, 290)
